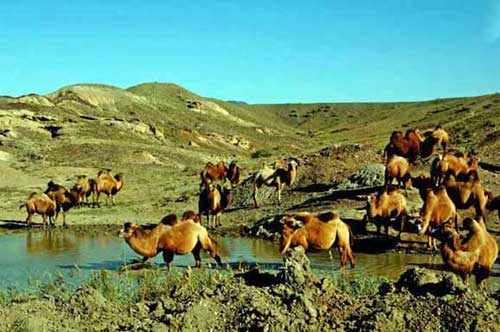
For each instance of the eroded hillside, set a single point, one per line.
(161, 135)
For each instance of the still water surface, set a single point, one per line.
(35, 255)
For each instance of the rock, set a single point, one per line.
(157, 132)
(5, 156)
(193, 144)
(87, 300)
(368, 176)
(421, 281)
(296, 272)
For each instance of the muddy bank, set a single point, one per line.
(294, 299)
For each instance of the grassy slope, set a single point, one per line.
(149, 133)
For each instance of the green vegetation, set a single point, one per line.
(293, 299)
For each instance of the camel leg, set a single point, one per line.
(29, 219)
(58, 209)
(64, 218)
(93, 198)
(44, 216)
(481, 275)
(402, 221)
(107, 199)
(196, 254)
(97, 199)
(343, 258)
(113, 200)
(378, 224)
(351, 258)
(168, 257)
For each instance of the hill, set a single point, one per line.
(160, 135)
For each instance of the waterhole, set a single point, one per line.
(35, 255)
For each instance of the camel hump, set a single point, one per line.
(170, 220)
(327, 216)
(392, 188)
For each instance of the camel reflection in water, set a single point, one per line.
(52, 242)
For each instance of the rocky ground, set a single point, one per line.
(160, 136)
(339, 178)
(293, 299)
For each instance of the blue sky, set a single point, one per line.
(256, 51)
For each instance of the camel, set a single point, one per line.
(220, 172)
(475, 255)
(398, 168)
(407, 145)
(63, 198)
(182, 238)
(468, 192)
(317, 232)
(451, 164)
(109, 185)
(277, 178)
(434, 139)
(387, 205)
(437, 210)
(87, 186)
(213, 200)
(41, 204)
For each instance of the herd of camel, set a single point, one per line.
(57, 197)
(453, 184)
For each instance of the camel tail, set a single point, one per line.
(22, 205)
(351, 236)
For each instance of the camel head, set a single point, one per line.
(289, 221)
(290, 226)
(445, 233)
(128, 230)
